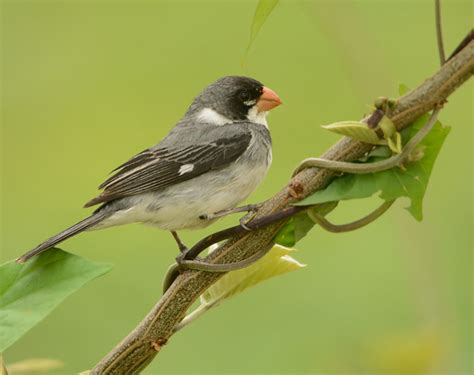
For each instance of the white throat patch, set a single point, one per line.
(257, 117)
(212, 117)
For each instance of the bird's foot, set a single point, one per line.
(247, 219)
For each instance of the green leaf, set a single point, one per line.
(29, 292)
(263, 10)
(403, 89)
(355, 130)
(286, 235)
(299, 225)
(294, 230)
(394, 183)
(395, 143)
(379, 151)
(388, 127)
(276, 262)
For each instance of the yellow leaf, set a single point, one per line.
(276, 262)
(34, 365)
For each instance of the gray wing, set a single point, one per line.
(164, 165)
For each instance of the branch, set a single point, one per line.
(139, 348)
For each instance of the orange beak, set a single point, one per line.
(268, 100)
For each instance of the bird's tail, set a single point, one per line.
(87, 223)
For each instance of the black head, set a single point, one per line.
(231, 96)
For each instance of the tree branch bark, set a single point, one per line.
(139, 348)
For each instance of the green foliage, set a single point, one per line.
(391, 135)
(276, 262)
(263, 10)
(354, 129)
(299, 225)
(411, 181)
(403, 89)
(29, 292)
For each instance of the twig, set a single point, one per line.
(468, 38)
(439, 32)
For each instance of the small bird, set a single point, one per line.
(212, 160)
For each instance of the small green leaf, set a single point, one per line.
(395, 143)
(394, 183)
(286, 235)
(294, 230)
(379, 151)
(403, 89)
(355, 130)
(263, 10)
(276, 262)
(299, 225)
(388, 127)
(29, 292)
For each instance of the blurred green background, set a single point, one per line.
(86, 84)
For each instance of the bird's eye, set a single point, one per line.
(244, 95)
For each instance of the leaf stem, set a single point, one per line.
(439, 32)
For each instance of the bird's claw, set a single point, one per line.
(248, 218)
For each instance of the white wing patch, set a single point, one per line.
(186, 168)
(212, 117)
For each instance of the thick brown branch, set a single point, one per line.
(140, 347)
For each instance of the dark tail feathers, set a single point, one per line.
(65, 234)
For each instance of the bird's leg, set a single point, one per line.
(340, 228)
(378, 166)
(229, 211)
(182, 247)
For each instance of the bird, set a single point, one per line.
(211, 160)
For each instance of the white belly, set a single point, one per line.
(179, 207)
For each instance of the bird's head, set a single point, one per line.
(235, 98)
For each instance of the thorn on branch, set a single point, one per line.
(158, 344)
(296, 190)
(467, 39)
